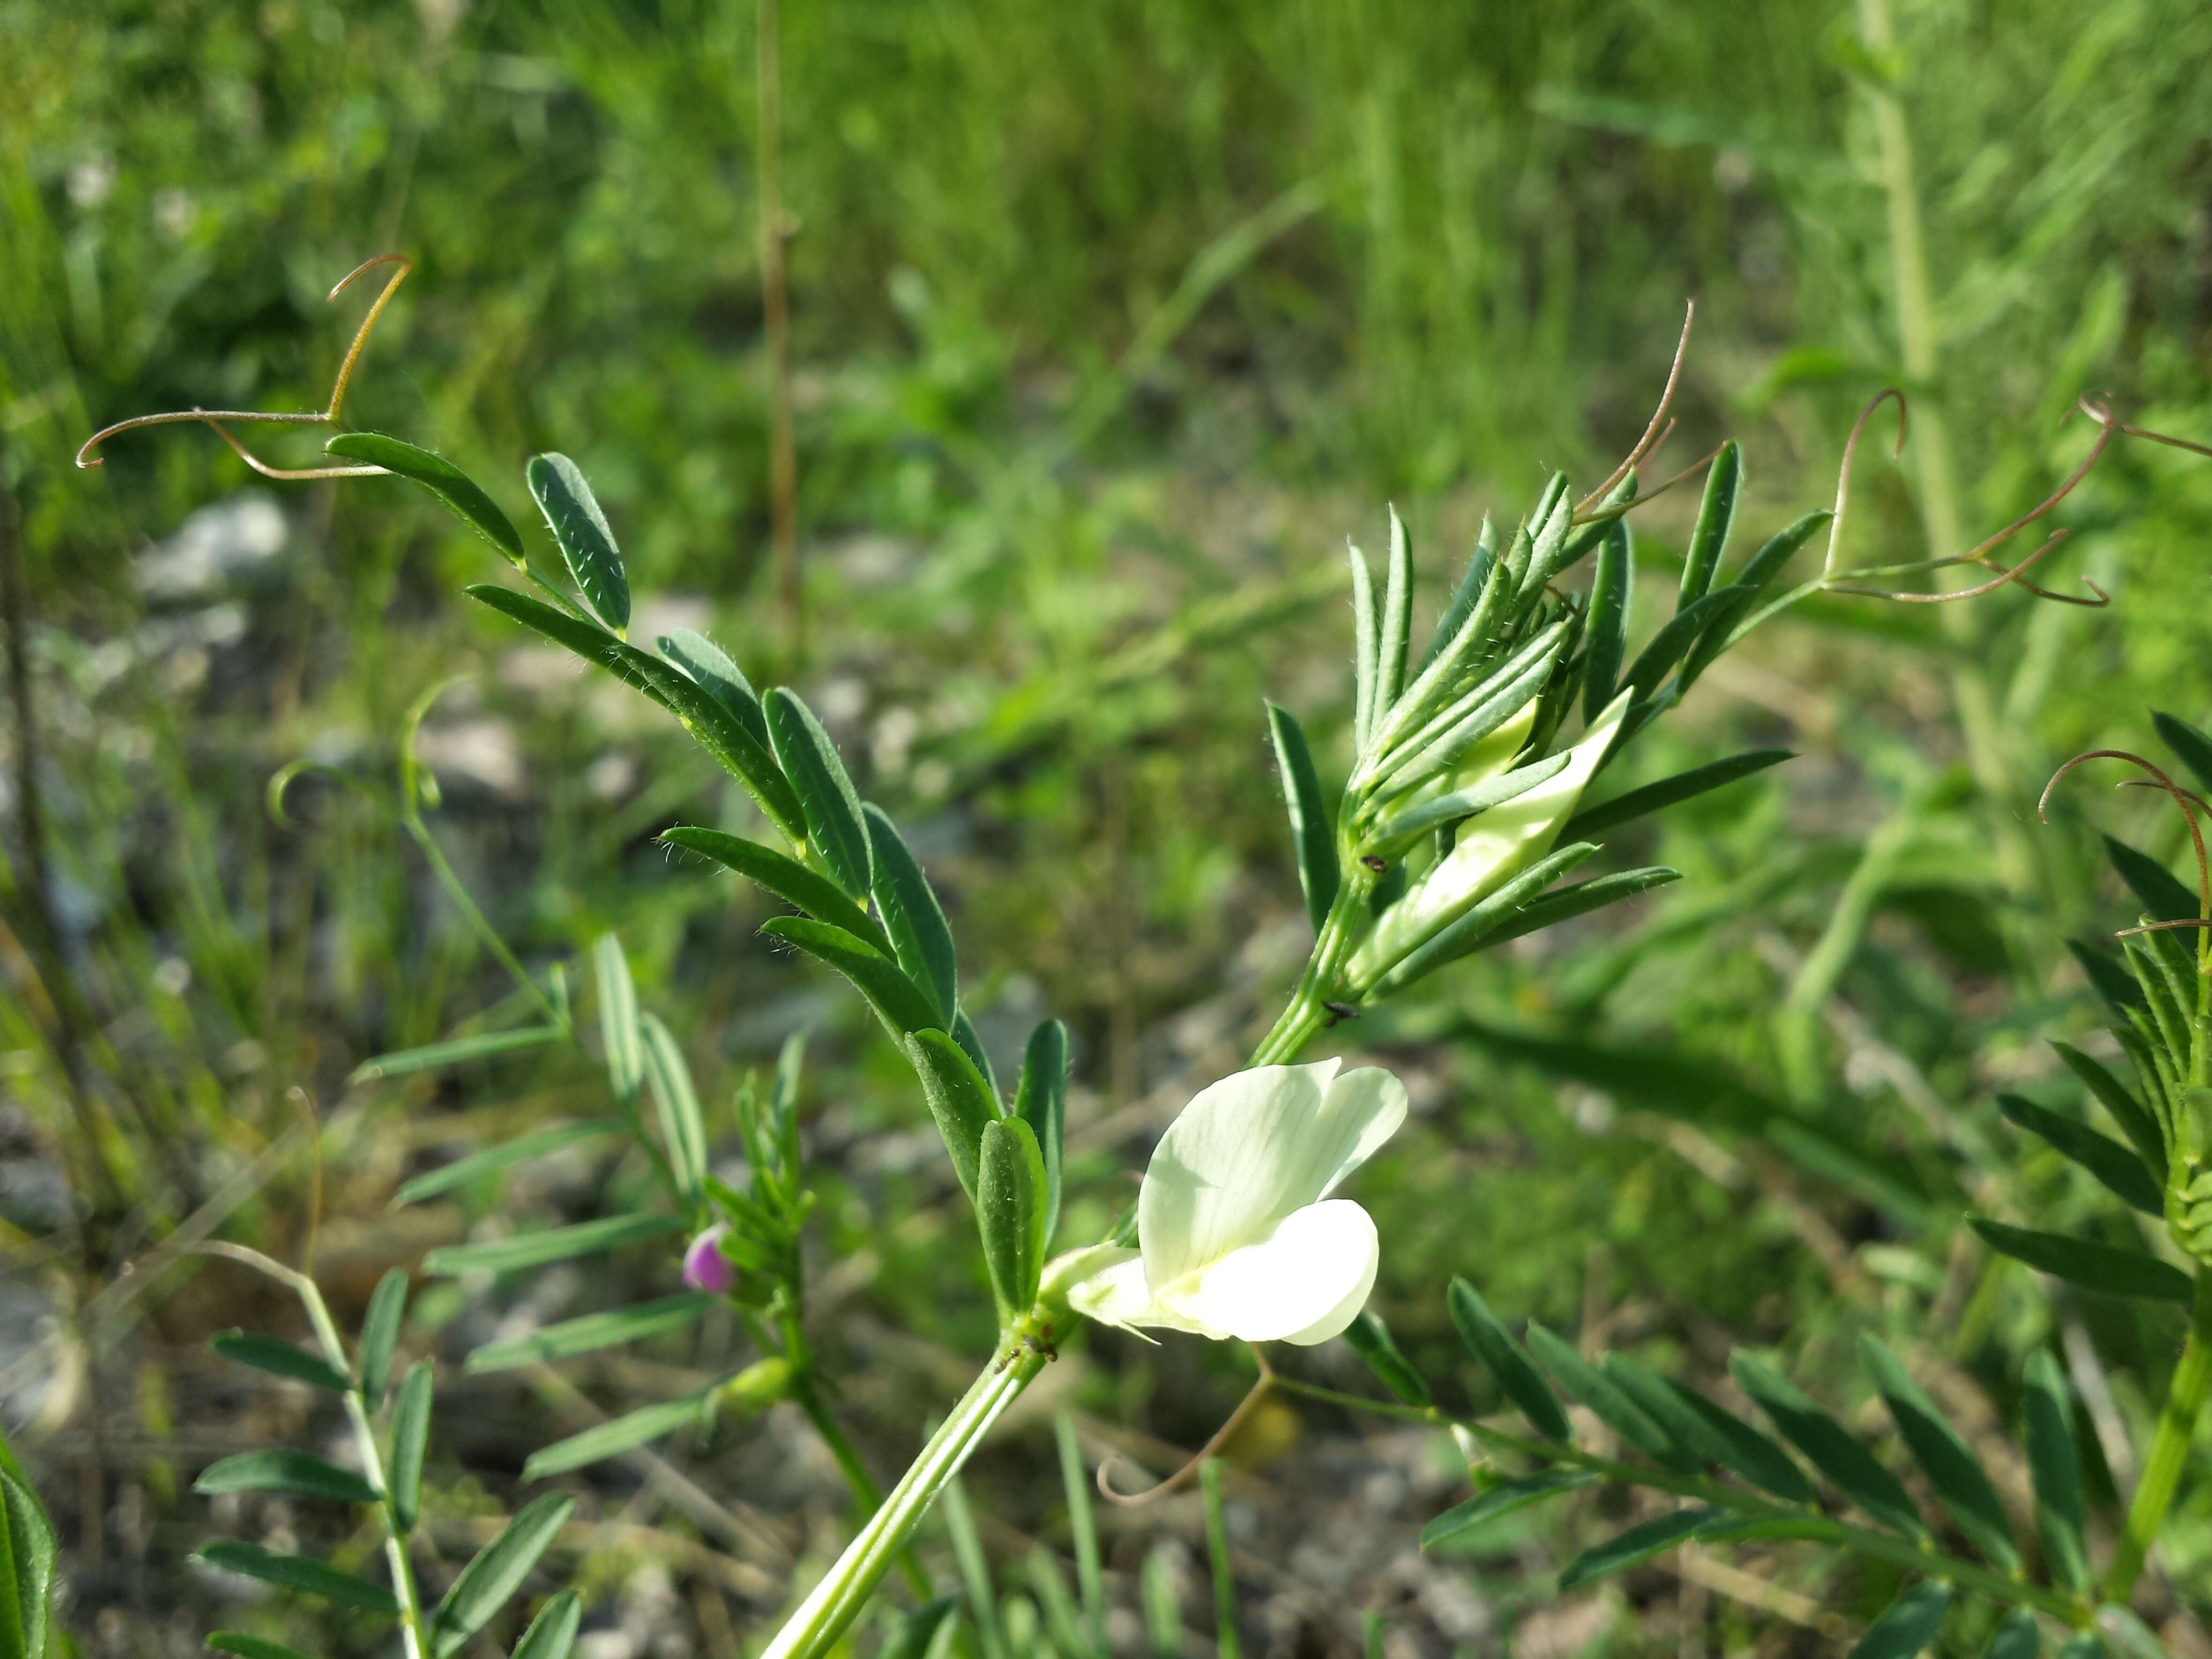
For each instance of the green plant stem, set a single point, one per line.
(478, 923)
(1308, 1010)
(2169, 1448)
(806, 1393)
(414, 1628)
(1987, 750)
(1779, 1521)
(836, 1600)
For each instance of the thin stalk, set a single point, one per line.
(776, 299)
(1796, 1523)
(1987, 751)
(2169, 1448)
(1308, 1010)
(835, 1601)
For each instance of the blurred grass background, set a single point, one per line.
(1110, 323)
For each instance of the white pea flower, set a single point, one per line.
(1239, 1234)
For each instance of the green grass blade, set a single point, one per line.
(492, 1159)
(436, 1056)
(1225, 1643)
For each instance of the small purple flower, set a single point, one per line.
(705, 1267)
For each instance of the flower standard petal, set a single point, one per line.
(1241, 1159)
(1304, 1282)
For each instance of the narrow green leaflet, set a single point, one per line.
(1706, 1433)
(1312, 837)
(1670, 791)
(459, 492)
(791, 881)
(1738, 1447)
(921, 936)
(591, 1332)
(720, 733)
(1503, 1499)
(1489, 1341)
(1613, 1405)
(2016, 1636)
(2134, 1119)
(1370, 1339)
(970, 1040)
(1828, 1445)
(615, 1435)
(491, 1160)
(279, 1358)
(380, 1331)
(2155, 886)
(1728, 622)
(1943, 1455)
(536, 1249)
(2188, 741)
(437, 1055)
(552, 1634)
(278, 1469)
(246, 1646)
(2120, 1171)
(897, 1001)
(27, 1574)
(1010, 1185)
(1639, 1544)
(826, 795)
(572, 513)
(2106, 977)
(710, 665)
(1613, 587)
(1673, 642)
(1466, 596)
(959, 1099)
(1366, 640)
(620, 1034)
(1909, 1625)
(2054, 1461)
(2097, 1267)
(1550, 909)
(497, 1572)
(1397, 619)
(297, 1572)
(683, 1131)
(410, 1441)
(1716, 518)
(1041, 1102)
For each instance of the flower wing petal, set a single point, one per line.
(1116, 1294)
(1225, 1171)
(1304, 1282)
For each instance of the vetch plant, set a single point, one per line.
(1465, 804)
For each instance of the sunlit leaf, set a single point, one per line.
(1489, 1341)
(1716, 518)
(1312, 838)
(1041, 1102)
(959, 1099)
(826, 795)
(1010, 1184)
(1606, 1400)
(572, 513)
(791, 881)
(459, 492)
(897, 999)
(920, 937)
(552, 1634)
